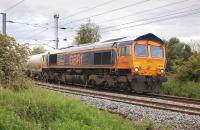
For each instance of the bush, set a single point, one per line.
(179, 88)
(46, 110)
(12, 58)
(190, 70)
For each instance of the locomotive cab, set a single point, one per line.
(148, 58)
(149, 63)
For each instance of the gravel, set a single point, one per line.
(136, 113)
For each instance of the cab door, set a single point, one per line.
(124, 57)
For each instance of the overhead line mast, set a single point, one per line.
(56, 17)
(4, 16)
(4, 23)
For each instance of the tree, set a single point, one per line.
(190, 70)
(37, 50)
(195, 45)
(13, 56)
(88, 33)
(177, 53)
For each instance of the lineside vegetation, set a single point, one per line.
(183, 69)
(181, 88)
(12, 58)
(39, 109)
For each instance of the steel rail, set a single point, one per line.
(191, 108)
(177, 99)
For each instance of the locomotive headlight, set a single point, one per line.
(162, 71)
(136, 69)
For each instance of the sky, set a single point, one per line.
(34, 22)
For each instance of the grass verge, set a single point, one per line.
(181, 88)
(39, 109)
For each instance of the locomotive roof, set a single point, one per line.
(150, 37)
(109, 43)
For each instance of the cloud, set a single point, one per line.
(41, 12)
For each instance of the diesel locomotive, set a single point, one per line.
(129, 64)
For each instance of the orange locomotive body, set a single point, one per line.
(126, 64)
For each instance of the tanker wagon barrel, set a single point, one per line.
(33, 68)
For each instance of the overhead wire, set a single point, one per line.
(130, 5)
(41, 44)
(109, 11)
(35, 34)
(147, 19)
(13, 6)
(126, 7)
(92, 8)
(46, 44)
(28, 24)
(193, 12)
(147, 10)
(159, 20)
(85, 10)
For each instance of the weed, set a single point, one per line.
(181, 88)
(149, 124)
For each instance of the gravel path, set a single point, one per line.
(138, 113)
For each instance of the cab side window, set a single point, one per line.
(125, 51)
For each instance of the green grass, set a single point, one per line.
(181, 88)
(11, 121)
(38, 109)
(149, 124)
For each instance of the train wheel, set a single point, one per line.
(128, 88)
(45, 77)
(93, 83)
(56, 78)
(106, 85)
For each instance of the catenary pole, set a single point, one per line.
(56, 17)
(4, 23)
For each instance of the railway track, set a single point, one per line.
(171, 103)
(178, 99)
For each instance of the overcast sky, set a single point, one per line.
(117, 18)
